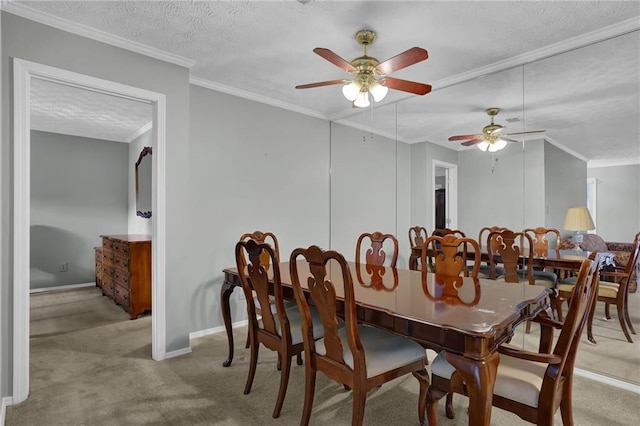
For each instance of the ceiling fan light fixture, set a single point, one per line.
(482, 146)
(362, 100)
(498, 145)
(378, 91)
(351, 90)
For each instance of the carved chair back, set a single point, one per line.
(417, 236)
(541, 242)
(513, 250)
(375, 254)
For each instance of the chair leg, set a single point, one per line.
(449, 406)
(423, 380)
(309, 390)
(607, 311)
(626, 315)
(284, 381)
(252, 366)
(566, 410)
(433, 396)
(623, 320)
(248, 341)
(527, 329)
(359, 400)
(299, 359)
(559, 308)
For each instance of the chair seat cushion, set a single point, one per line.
(384, 351)
(484, 271)
(517, 379)
(608, 289)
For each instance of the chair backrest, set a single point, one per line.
(510, 247)
(322, 293)
(263, 237)
(450, 255)
(582, 300)
(446, 231)
(417, 236)
(250, 256)
(541, 242)
(375, 254)
(487, 229)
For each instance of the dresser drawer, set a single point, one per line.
(107, 286)
(121, 277)
(121, 296)
(112, 259)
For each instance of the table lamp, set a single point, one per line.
(578, 219)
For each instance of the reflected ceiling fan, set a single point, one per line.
(492, 137)
(369, 76)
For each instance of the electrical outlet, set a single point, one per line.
(64, 267)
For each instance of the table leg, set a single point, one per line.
(225, 294)
(480, 378)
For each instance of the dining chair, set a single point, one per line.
(268, 238)
(614, 290)
(358, 356)
(532, 385)
(417, 236)
(485, 269)
(513, 252)
(448, 256)
(279, 329)
(541, 246)
(446, 231)
(565, 289)
(375, 244)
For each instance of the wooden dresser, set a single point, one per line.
(126, 271)
(98, 251)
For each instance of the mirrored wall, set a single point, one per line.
(385, 176)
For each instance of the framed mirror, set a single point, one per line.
(143, 183)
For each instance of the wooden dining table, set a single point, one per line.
(557, 259)
(468, 319)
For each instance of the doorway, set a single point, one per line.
(444, 195)
(23, 73)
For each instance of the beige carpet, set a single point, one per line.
(91, 365)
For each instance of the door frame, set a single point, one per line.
(451, 191)
(23, 72)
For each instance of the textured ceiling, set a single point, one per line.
(578, 76)
(69, 110)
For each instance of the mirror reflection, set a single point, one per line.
(143, 183)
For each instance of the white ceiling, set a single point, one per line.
(571, 68)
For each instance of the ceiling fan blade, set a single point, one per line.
(403, 60)
(472, 142)
(407, 86)
(320, 84)
(462, 137)
(510, 140)
(335, 59)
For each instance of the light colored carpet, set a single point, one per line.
(91, 365)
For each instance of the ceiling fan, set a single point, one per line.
(492, 137)
(369, 76)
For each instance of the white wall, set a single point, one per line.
(78, 192)
(618, 198)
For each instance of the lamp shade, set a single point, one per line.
(578, 219)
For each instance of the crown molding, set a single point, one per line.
(592, 164)
(94, 34)
(601, 34)
(565, 149)
(141, 131)
(218, 87)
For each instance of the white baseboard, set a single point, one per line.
(621, 384)
(216, 330)
(6, 401)
(62, 287)
(174, 354)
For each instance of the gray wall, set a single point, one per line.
(251, 172)
(491, 189)
(565, 185)
(31, 41)
(78, 192)
(618, 198)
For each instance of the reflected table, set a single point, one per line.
(468, 319)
